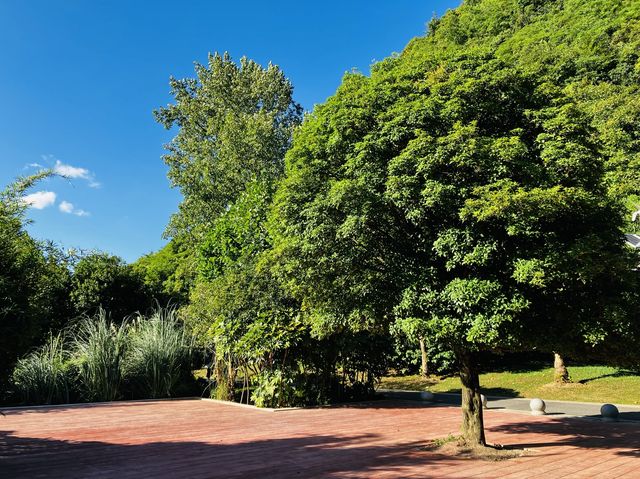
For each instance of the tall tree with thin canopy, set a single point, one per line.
(234, 122)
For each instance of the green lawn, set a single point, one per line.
(590, 384)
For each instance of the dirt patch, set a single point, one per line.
(575, 385)
(455, 446)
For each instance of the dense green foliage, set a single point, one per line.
(104, 281)
(43, 288)
(33, 280)
(468, 213)
(169, 273)
(473, 188)
(237, 307)
(588, 48)
(97, 359)
(235, 123)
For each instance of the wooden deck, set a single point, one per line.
(204, 439)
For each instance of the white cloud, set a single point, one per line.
(71, 171)
(68, 171)
(40, 199)
(68, 208)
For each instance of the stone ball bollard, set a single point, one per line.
(426, 396)
(483, 399)
(537, 407)
(609, 412)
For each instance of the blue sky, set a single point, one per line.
(79, 81)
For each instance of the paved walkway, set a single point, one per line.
(567, 408)
(381, 439)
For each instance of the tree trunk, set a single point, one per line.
(560, 375)
(472, 421)
(225, 379)
(424, 368)
(231, 378)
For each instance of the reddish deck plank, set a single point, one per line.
(202, 439)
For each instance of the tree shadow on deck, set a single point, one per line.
(589, 433)
(59, 408)
(299, 455)
(489, 392)
(305, 457)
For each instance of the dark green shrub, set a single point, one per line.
(100, 346)
(42, 376)
(160, 354)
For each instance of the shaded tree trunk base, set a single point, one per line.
(560, 372)
(225, 380)
(424, 365)
(456, 446)
(472, 420)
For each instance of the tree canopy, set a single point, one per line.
(234, 125)
(169, 272)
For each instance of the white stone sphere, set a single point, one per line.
(537, 407)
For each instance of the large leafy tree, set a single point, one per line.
(462, 194)
(234, 125)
